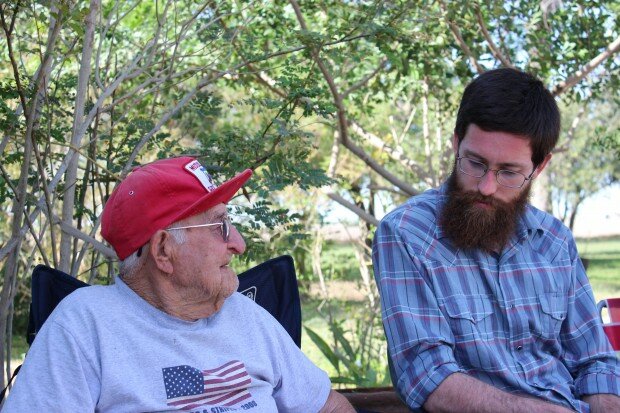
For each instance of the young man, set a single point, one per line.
(171, 334)
(486, 305)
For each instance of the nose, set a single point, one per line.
(236, 242)
(487, 185)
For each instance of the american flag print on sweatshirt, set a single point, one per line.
(188, 387)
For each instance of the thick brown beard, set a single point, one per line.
(470, 227)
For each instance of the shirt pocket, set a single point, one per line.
(467, 314)
(553, 307)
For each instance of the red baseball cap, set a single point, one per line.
(158, 194)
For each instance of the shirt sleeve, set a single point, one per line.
(54, 375)
(420, 342)
(587, 352)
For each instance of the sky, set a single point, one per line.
(599, 215)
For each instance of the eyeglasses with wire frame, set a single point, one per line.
(224, 227)
(504, 177)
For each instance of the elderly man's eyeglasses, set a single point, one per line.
(224, 226)
(504, 177)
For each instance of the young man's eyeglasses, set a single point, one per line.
(224, 226)
(504, 177)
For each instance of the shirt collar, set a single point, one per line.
(529, 222)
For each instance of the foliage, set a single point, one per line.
(358, 354)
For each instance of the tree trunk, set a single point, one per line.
(66, 254)
(31, 113)
(10, 267)
(573, 214)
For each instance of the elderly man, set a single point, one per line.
(486, 305)
(171, 333)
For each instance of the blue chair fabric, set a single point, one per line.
(48, 286)
(273, 285)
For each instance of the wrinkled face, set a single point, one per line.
(497, 150)
(201, 267)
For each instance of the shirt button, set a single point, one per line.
(519, 348)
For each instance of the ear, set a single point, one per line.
(542, 165)
(162, 249)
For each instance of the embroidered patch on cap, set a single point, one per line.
(199, 171)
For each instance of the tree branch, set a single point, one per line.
(426, 135)
(402, 135)
(366, 79)
(570, 134)
(37, 241)
(8, 32)
(74, 232)
(76, 137)
(19, 228)
(580, 74)
(397, 153)
(494, 49)
(459, 39)
(342, 118)
(357, 210)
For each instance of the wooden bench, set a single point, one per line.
(376, 399)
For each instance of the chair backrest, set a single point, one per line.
(272, 285)
(49, 287)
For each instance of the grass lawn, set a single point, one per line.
(604, 265)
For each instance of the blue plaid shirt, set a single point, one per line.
(524, 321)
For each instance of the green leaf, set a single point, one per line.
(323, 347)
(342, 340)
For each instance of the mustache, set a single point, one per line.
(471, 197)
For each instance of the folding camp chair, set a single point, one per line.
(612, 329)
(48, 287)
